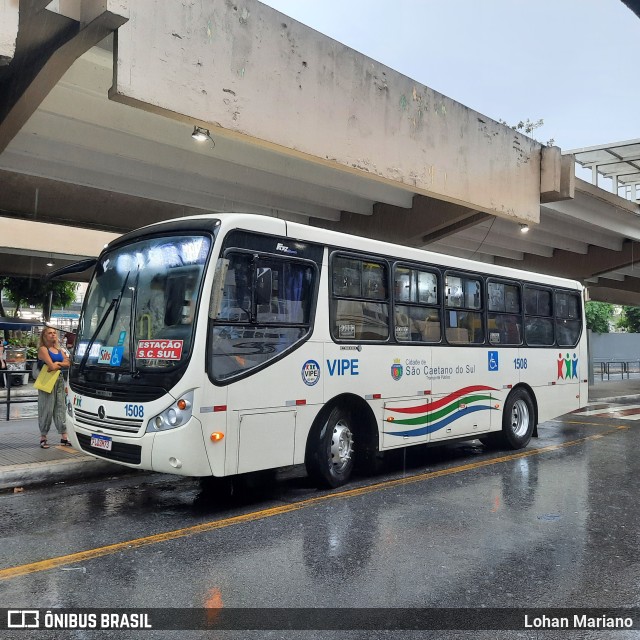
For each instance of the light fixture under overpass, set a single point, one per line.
(201, 134)
(524, 228)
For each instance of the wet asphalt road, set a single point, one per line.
(456, 526)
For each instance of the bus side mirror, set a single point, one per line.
(264, 285)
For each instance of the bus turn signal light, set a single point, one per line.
(216, 435)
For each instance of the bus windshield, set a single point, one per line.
(143, 299)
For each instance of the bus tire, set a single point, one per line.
(518, 421)
(329, 458)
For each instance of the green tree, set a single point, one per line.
(598, 316)
(630, 319)
(33, 291)
(529, 126)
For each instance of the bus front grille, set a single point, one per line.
(120, 451)
(92, 420)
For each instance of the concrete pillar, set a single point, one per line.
(40, 69)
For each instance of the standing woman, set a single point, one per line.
(52, 405)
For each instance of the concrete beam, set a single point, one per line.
(614, 296)
(462, 223)
(404, 226)
(601, 209)
(558, 224)
(545, 235)
(627, 284)
(117, 11)
(39, 238)
(246, 71)
(595, 262)
(473, 249)
(9, 17)
(482, 236)
(42, 67)
(557, 175)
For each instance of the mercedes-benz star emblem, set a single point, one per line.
(101, 412)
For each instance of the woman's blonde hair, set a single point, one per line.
(42, 344)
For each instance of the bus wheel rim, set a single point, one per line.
(519, 418)
(341, 446)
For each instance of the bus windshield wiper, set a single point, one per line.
(114, 304)
(132, 329)
(119, 300)
(85, 357)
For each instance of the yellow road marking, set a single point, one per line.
(591, 424)
(72, 558)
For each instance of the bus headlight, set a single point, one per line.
(176, 415)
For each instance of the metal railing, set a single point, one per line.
(622, 368)
(10, 377)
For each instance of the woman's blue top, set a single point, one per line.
(55, 357)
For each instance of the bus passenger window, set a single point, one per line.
(463, 325)
(568, 318)
(346, 277)
(414, 289)
(538, 320)
(453, 292)
(359, 312)
(504, 322)
(402, 285)
(425, 324)
(427, 288)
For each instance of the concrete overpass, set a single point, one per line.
(98, 100)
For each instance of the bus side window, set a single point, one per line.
(413, 290)
(463, 297)
(538, 322)
(366, 315)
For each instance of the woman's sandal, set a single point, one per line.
(65, 443)
(43, 444)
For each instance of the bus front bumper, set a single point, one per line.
(178, 451)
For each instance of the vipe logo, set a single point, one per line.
(310, 372)
(23, 619)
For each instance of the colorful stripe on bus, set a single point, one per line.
(433, 416)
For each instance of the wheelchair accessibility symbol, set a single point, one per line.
(493, 360)
(116, 356)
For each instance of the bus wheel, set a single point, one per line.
(518, 420)
(329, 458)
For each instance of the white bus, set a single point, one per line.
(219, 345)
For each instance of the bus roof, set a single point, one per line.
(318, 235)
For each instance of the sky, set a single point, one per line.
(572, 63)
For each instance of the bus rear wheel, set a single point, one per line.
(518, 421)
(329, 459)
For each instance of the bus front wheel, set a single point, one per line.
(329, 459)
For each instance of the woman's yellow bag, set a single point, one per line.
(46, 380)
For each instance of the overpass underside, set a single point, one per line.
(98, 100)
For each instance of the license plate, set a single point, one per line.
(101, 442)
